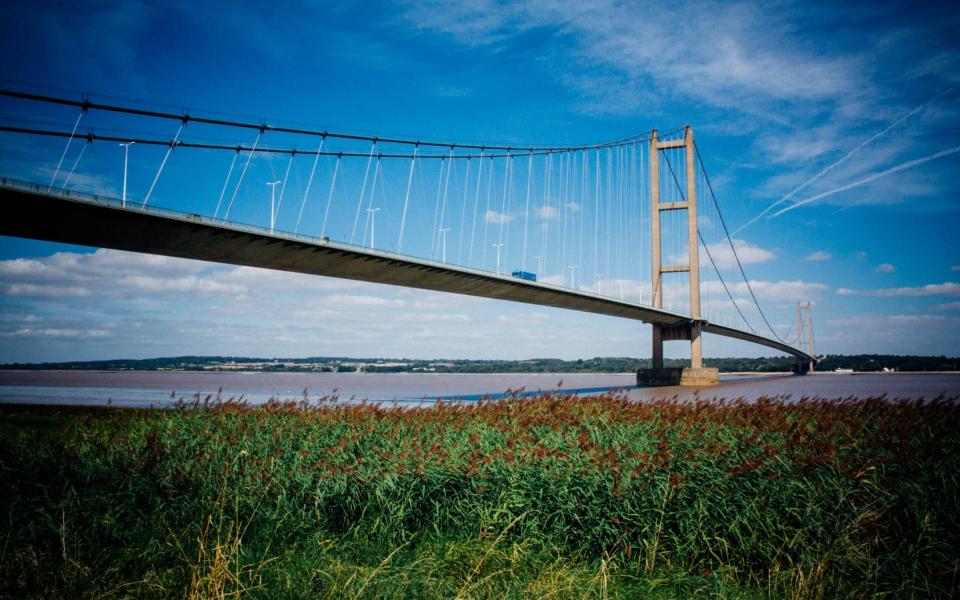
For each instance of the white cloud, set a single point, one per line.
(495, 217)
(885, 268)
(868, 179)
(888, 334)
(548, 213)
(523, 319)
(723, 256)
(787, 291)
(44, 290)
(748, 253)
(629, 290)
(558, 279)
(276, 314)
(453, 91)
(819, 255)
(947, 306)
(115, 274)
(188, 284)
(955, 268)
(85, 182)
(52, 332)
(802, 146)
(252, 278)
(436, 301)
(434, 318)
(353, 300)
(730, 54)
(948, 288)
(760, 69)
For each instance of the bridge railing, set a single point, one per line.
(111, 201)
(30, 186)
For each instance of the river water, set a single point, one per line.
(162, 388)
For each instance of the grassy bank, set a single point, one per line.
(553, 497)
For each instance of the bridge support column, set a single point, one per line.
(805, 366)
(695, 374)
(657, 355)
(696, 349)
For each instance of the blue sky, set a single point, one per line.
(852, 108)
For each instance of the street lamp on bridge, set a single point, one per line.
(126, 151)
(573, 284)
(273, 189)
(443, 238)
(373, 214)
(498, 246)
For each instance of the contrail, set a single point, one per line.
(843, 159)
(907, 165)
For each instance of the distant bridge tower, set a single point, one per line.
(696, 374)
(805, 331)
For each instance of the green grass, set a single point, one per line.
(554, 497)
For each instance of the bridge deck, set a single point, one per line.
(74, 218)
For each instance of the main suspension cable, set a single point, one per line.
(712, 262)
(730, 241)
(86, 104)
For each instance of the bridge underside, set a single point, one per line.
(37, 215)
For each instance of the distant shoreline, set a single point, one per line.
(596, 365)
(307, 372)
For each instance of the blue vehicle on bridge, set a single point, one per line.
(525, 275)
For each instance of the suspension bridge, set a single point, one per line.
(628, 228)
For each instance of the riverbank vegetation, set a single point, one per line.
(551, 497)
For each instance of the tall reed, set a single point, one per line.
(560, 495)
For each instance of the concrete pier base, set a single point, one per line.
(701, 376)
(803, 367)
(678, 376)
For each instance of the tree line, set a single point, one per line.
(856, 362)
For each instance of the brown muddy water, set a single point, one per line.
(159, 389)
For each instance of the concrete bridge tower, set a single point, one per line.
(696, 374)
(805, 336)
